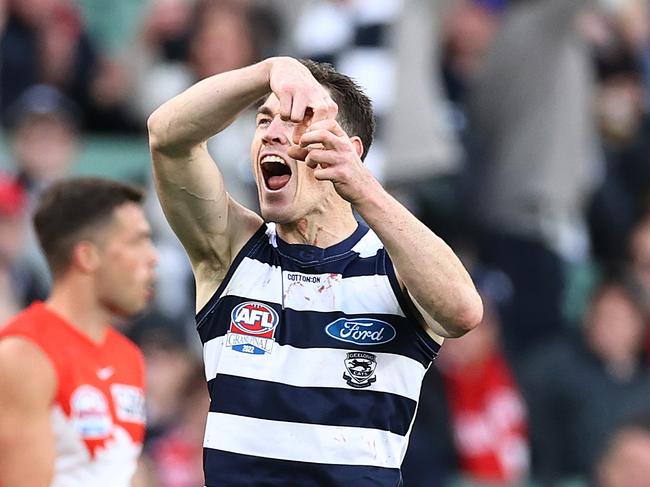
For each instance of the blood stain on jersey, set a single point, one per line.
(252, 328)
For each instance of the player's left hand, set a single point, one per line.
(334, 156)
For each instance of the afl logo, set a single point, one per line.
(253, 318)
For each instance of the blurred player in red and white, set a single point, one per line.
(71, 387)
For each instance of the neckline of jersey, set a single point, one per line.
(307, 253)
(74, 330)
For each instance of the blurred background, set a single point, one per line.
(518, 130)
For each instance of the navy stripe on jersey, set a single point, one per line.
(225, 469)
(309, 255)
(347, 266)
(305, 329)
(321, 405)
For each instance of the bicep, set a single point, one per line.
(197, 206)
(27, 385)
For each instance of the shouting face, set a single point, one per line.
(287, 188)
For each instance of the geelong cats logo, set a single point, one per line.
(360, 367)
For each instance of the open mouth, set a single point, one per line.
(276, 172)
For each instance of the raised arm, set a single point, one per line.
(209, 223)
(27, 386)
(432, 274)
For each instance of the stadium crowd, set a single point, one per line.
(518, 130)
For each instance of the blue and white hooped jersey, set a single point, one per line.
(314, 368)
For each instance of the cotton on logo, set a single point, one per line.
(253, 318)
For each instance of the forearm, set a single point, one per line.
(432, 273)
(206, 108)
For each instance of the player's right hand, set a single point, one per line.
(302, 99)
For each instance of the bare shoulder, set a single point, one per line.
(211, 270)
(27, 376)
(248, 223)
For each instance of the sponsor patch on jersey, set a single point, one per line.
(361, 331)
(360, 367)
(129, 403)
(252, 328)
(90, 413)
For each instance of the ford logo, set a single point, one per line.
(361, 331)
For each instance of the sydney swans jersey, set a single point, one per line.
(314, 369)
(97, 415)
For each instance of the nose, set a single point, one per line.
(276, 132)
(154, 256)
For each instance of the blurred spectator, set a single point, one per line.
(418, 110)
(430, 170)
(469, 32)
(355, 36)
(578, 389)
(625, 134)
(15, 282)
(372, 41)
(218, 35)
(177, 455)
(45, 41)
(44, 139)
(43, 125)
(538, 160)
(626, 462)
(169, 364)
(638, 271)
(182, 42)
(488, 414)
(639, 263)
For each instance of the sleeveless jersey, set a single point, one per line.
(314, 368)
(97, 414)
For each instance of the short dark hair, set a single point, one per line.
(355, 109)
(71, 207)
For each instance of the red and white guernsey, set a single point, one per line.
(98, 414)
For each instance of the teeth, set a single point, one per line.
(271, 158)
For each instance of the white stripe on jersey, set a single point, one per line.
(312, 367)
(300, 442)
(256, 280)
(369, 245)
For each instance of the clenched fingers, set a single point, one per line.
(324, 137)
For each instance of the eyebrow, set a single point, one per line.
(265, 110)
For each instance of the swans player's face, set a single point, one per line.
(125, 274)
